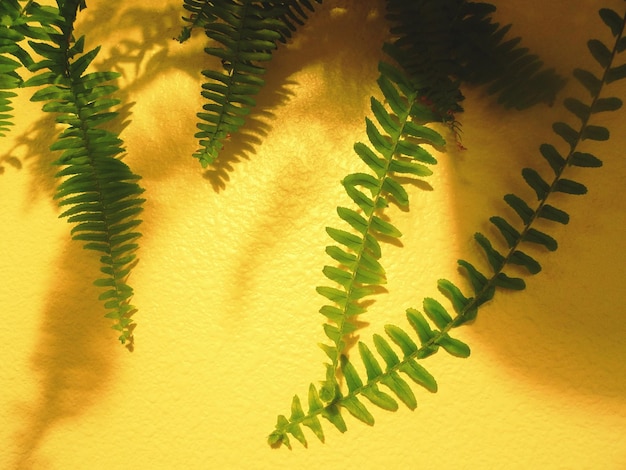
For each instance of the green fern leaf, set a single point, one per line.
(247, 32)
(99, 193)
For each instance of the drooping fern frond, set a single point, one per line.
(247, 32)
(431, 329)
(446, 42)
(99, 192)
(16, 24)
(395, 149)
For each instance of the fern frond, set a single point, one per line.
(395, 149)
(16, 24)
(442, 44)
(99, 193)
(432, 328)
(247, 31)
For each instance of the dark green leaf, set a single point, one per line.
(510, 234)
(566, 132)
(479, 281)
(332, 414)
(520, 207)
(396, 190)
(385, 227)
(353, 380)
(521, 258)
(554, 158)
(535, 236)
(353, 218)
(380, 143)
(585, 160)
(345, 238)
(377, 164)
(552, 213)
(393, 98)
(506, 282)
(570, 187)
(496, 260)
(452, 292)
(536, 182)
(338, 275)
(382, 116)
(400, 166)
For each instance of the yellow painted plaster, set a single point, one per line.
(228, 323)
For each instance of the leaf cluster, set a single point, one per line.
(98, 193)
(430, 328)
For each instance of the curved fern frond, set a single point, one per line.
(247, 31)
(16, 24)
(99, 193)
(442, 44)
(395, 149)
(431, 329)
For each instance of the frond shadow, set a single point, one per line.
(73, 357)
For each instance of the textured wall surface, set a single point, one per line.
(230, 257)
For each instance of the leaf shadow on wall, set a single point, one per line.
(141, 60)
(327, 39)
(566, 331)
(563, 333)
(339, 44)
(76, 348)
(74, 355)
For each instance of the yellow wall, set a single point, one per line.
(228, 323)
